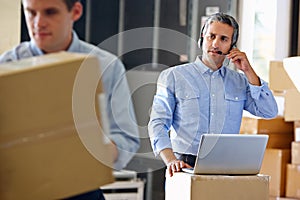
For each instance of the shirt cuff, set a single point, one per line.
(161, 144)
(257, 90)
(126, 150)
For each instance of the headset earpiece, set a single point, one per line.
(200, 41)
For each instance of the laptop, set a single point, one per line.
(229, 154)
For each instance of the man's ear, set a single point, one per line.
(77, 11)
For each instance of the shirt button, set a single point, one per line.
(212, 114)
(213, 95)
(186, 96)
(236, 98)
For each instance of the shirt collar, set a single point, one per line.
(204, 69)
(74, 45)
(35, 50)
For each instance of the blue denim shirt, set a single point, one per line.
(123, 125)
(191, 100)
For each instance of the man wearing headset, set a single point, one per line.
(205, 96)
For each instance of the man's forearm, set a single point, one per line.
(167, 156)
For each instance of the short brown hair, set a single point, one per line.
(70, 3)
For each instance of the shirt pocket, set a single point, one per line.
(188, 103)
(235, 104)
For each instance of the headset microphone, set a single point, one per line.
(221, 53)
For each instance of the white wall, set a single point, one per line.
(10, 23)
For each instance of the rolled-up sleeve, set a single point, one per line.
(162, 113)
(123, 125)
(262, 102)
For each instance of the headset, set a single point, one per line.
(223, 18)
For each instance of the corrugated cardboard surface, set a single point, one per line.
(279, 79)
(284, 77)
(264, 126)
(293, 181)
(274, 165)
(292, 107)
(296, 153)
(281, 133)
(42, 155)
(186, 186)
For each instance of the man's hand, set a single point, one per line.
(114, 149)
(173, 164)
(176, 166)
(240, 60)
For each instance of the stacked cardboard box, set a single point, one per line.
(284, 80)
(43, 154)
(285, 84)
(293, 173)
(277, 154)
(284, 129)
(281, 133)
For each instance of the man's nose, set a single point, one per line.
(216, 43)
(39, 21)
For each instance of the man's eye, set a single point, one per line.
(211, 36)
(51, 12)
(225, 39)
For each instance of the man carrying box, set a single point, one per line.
(50, 25)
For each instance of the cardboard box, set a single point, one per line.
(281, 133)
(296, 153)
(251, 125)
(280, 140)
(44, 154)
(274, 165)
(287, 102)
(292, 108)
(284, 76)
(186, 186)
(293, 181)
(279, 79)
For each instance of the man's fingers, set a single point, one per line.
(176, 166)
(170, 171)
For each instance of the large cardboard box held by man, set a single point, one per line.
(44, 152)
(186, 186)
